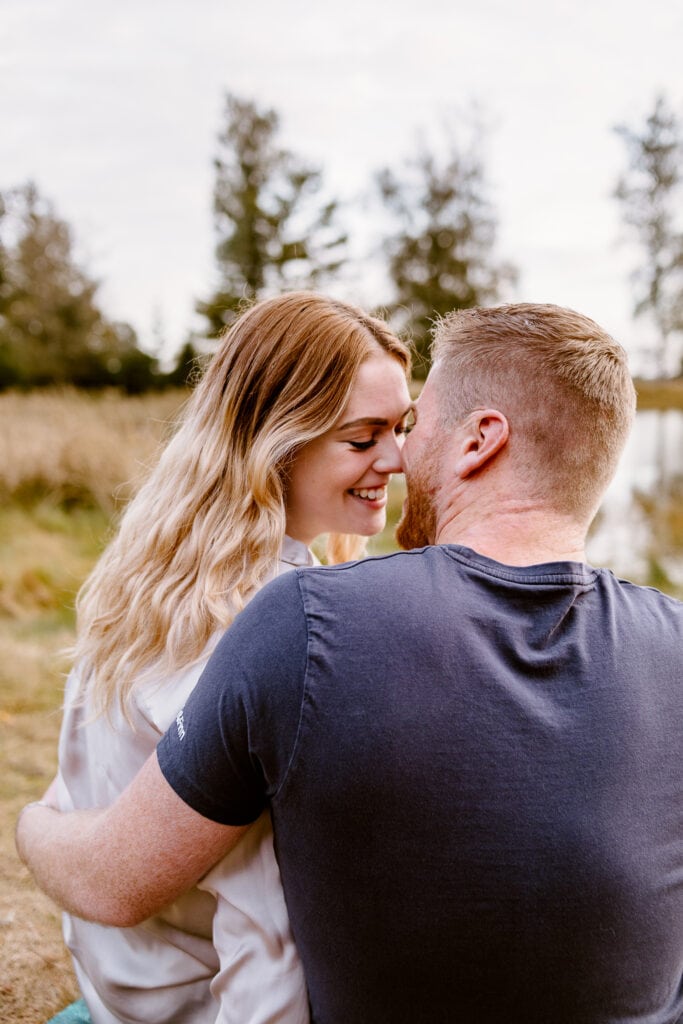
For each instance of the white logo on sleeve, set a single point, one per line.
(180, 724)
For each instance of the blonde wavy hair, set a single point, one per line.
(205, 529)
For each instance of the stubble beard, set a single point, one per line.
(417, 526)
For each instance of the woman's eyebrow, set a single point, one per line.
(372, 421)
(367, 421)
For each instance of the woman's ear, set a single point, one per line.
(483, 434)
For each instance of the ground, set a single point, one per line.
(37, 978)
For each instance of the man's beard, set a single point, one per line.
(417, 526)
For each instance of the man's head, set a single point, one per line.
(566, 402)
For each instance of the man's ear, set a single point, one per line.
(483, 434)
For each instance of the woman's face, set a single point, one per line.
(338, 482)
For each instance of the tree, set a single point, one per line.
(650, 195)
(272, 233)
(52, 330)
(441, 256)
(8, 372)
(187, 367)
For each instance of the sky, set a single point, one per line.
(113, 110)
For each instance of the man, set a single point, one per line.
(472, 752)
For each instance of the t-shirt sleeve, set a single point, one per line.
(229, 749)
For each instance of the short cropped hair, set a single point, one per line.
(562, 382)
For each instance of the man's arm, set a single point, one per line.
(157, 845)
(212, 775)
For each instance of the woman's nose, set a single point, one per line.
(389, 458)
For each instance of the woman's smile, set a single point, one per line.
(375, 496)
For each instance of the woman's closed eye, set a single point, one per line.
(362, 446)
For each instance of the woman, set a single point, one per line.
(293, 432)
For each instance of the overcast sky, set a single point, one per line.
(113, 110)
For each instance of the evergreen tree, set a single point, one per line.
(650, 195)
(8, 372)
(272, 232)
(187, 367)
(52, 330)
(441, 255)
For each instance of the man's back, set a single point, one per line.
(475, 785)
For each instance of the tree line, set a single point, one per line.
(277, 229)
(52, 328)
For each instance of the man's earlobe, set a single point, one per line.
(485, 433)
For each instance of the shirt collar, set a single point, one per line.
(295, 552)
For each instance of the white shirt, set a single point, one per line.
(222, 952)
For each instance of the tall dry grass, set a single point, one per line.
(79, 448)
(68, 461)
(660, 394)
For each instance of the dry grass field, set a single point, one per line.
(660, 394)
(65, 463)
(79, 449)
(44, 553)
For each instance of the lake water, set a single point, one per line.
(639, 530)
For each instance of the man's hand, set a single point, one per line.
(121, 864)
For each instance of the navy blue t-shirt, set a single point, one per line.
(475, 773)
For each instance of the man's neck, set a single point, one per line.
(515, 534)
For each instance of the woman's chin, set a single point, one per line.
(372, 529)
